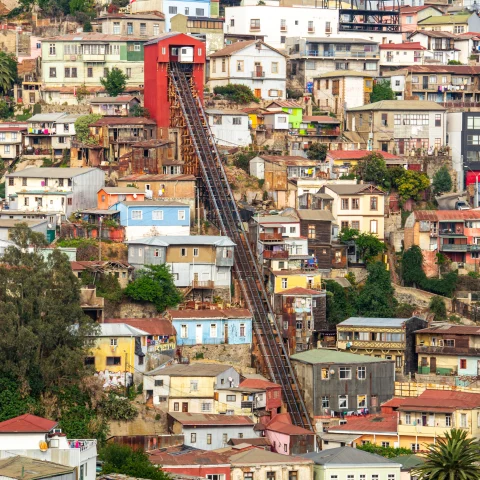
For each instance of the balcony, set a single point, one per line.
(94, 57)
(342, 344)
(283, 28)
(271, 237)
(258, 74)
(311, 30)
(453, 248)
(451, 231)
(459, 104)
(435, 87)
(72, 58)
(273, 255)
(338, 54)
(203, 284)
(447, 350)
(125, 139)
(248, 405)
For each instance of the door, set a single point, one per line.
(198, 334)
(433, 364)
(258, 93)
(258, 70)
(478, 367)
(225, 329)
(425, 82)
(184, 407)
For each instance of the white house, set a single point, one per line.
(276, 120)
(252, 63)
(229, 127)
(439, 47)
(11, 140)
(400, 54)
(39, 438)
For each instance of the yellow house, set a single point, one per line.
(424, 419)
(287, 279)
(117, 355)
(256, 117)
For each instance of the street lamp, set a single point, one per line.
(476, 184)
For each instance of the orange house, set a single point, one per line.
(108, 196)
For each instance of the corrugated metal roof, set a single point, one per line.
(381, 423)
(323, 355)
(399, 105)
(118, 330)
(50, 172)
(258, 456)
(154, 203)
(320, 215)
(153, 326)
(446, 19)
(342, 456)
(184, 240)
(191, 370)
(158, 177)
(26, 468)
(373, 322)
(213, 313)
(209, 420)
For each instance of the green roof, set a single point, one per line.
(399, 105)
(446, 19)
(409, 461)
(323, 355)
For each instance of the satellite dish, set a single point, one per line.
(49, 225)
(43, 445)
(332, 372)
(230, 379)
(134, 195)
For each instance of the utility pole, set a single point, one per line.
(125, 380)
(100, 239)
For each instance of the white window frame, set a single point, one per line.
(181, 215)
(184, 330)
(213, 330)
(136, 215)
(157, 215)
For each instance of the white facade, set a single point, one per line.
(257, 66)
(192, 8)
(397, 57)
(352, 91)
(454, 135)
(140, 231)
(230, 128)
(184, 274)
(276, 120)
(11, 141)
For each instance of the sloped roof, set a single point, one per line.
(348, 456)
(446, 19)
(26, 468)
(410, 105)
(119, 99)
(319, 215)
(408, 9)
(380, 423)
(258, 383)
(344, 73)
(118, 330)
(451, 329)
(409, 461)
(441, 400)
(210, 419)
(323, 355)
(239, 46)
(191, 370)
(358, 154)
(27, 423)
(320, 119)
(162, 177)
(184, 455)
(350, 189)
(373, 322)
(165, 241)
(153, 326)
(300, 291)
(402, 46)
(213, 313)
(258, 456)
(447, 215)
(287, 428)
(285, 104)
(123, 121)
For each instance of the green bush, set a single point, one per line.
(236, 93)
(118, 408)
(438, 308)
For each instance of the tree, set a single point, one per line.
(6, 109)
(372, 168)
(340, 302)
(368, 244)
(412, 267)
(155, 284)
(382, 90)
(411, 184)
(438, 308)
(122, 459)
(376, 299)
(442, 181)
(317, 151)
(87, 27)
(82, 127)
(393, 176)
(8, 72)
(455, 457)
(115, 82)
(82, 91)
(236, 93)
(387, 452)
(139, 111)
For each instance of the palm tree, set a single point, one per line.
(454, 457)
(7, 73)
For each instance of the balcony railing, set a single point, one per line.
(339, 54)
(447, 350)
(279, 254)
(205, 284)
(270, 237)
(455, 104)
(435, 86)
(248, 405)
(93, 57)
(258, 74)
(122, 139)
(449, 247)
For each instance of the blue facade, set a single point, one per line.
(153, 214)
(472, 365)
(213, 331)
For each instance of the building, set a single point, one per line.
(140, 25)
(25, 468)
(361, 207)
(313, 56)
(337, 90)
(114, 106)
(272, 400)
(21, 444)
(229, 127)
(210, 29)
(448, 350)
(209, 431)
(188, 388)
(276, 170)
(411, 15)
(12, 138)
(116, 354)
(71, 60)
(153, 218)
(439, 47)
(202, 264)
(175, 187)
(229, 326)
(241, 401)
(50, 134)
(109, 196)
(122, 271)
(452, 233)
(334, 382)
(456, 23)
(386, 338)
(57, 191)
(36, 225)
(252, 63)
(345, 462)
(399, 127)
(294, 110)
(393, 55)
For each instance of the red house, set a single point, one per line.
(273, 393)
(158, 54)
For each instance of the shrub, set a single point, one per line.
(236, 93)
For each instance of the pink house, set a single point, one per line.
(410, 16)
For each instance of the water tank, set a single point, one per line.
(185, 55)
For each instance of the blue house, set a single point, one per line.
(231, 326)
(153, 218)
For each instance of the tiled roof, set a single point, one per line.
(453, 69)
(381, 423)
(119, 99)
(440, 400)
(258, 383)
(208, 420)
(153, 326)
(93, 37)
(123, 121)
(285, 104)
(323, 355)
(191, 370)
(182, 455)
(402, 46)
(27, 423)
(416, 9)
(399, 105)
(393, 402)
(448, 215)
(358, 154)
(300, 291)
(225, 313)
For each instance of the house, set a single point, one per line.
(114, 106)
(439, 47)
(229, 326)
(456, 23)
(313, 56)
(345, 462)
(335, 440)
(116, 354)
(56, 191)
(336, 90)
(153, 218)
(336, 382)
(208, 28)
(388, 338)
(411, 15)
(275, 120)
(257, 464)
(393, 55)
(188, 461)
(452, 233)
(22, 439)
(109, 196)
(37, 225)
(229, 127)
(202, 263)
(50, 133)
(188, 388)
(448, 350)
(89, 57)
(140, 25)
(122, 271)
(252, 63)
(12, 137)
(424, 419)
(25, 468)
(399, 127)
(271, 401)
(294, 110)
(361, 207)
(209, 431)
(153, 157)
(409, 464)
(241, 401)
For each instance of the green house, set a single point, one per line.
(294, 110)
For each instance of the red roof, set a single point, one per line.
(181, 455)
(441, 399)
(209, 419)
(320, 119)
(408, 9)
(12, 129)
(394, 402)
(381, 423)
(439, 215)
(153, 326)
(27, 424)
(285, 104)
(358, 154)
(258, 383)
(287, 428)
(300, 291)
(402, 46)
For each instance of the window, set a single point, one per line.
(26, 201)
(113, 342)
(237, 120)
(328, 27)
(231, 398)
(172, 10)
(355, 203)
(293, 229)
(458, 29)
(408, 419)
(345, 373)
(181, 214)
(206, 407)
(449, 342)
(240, 65)
(463, 420)
(159, 383)
(350, 477)
(183, 252)
(398, 361)
(356, 224)
(414, 447)
(143, 30)
(311, 231)
(157, 215)
(284, 282)
(384, 120)
(373, 203)
(282, 119)
(116, 28)
(438, 120)
(242, 329)
(293, 475)
(448, 420)
(130, 28)
(270, 475)
(310, 27)
(369, 66)
(463, 363)
(361, 401)
(137, 47)
(247, 475)
(374, 477)
(374, 226)
(325, 401)
(137, 215)
(6, 148)
(274, 67)
(362, 373)
(200, 12)
(213, 330)
(342, 401)
(114, 361)
(156, 29)
(183, 331)
(255, 24)
(193, 438)
(53, 72)
(473, 123)
(345, 203)
(195, 252)
(391, 476)
(194, 385)
(128, 72)
(52, 49)
(89, 361)
(209, 438)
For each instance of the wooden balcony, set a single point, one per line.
(437, 349)
(203, 284)
(273, 255)
(272, 237)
